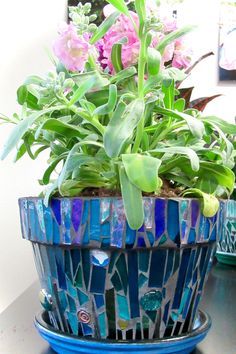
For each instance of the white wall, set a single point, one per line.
(205, 14)
(27, 29)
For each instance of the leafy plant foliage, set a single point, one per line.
(126, 131)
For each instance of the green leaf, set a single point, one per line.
(100, 81)
(24, 96)
(132, 199)
(116, 54)
(110, 105)
(191, 154)
(82, 90)
(142, 171)
(140, 6)
(168, 89)
(56, 126)
(121, 126)
(120, 5)
(210, 204)
(179, 105)
(154, 61)
(173, 74)
(19, 131)
(123, 74)
(172, 37)
(104, 27)
(50, 169)
(49, 192)
(196, 126)
(224, 176)
(225, 126)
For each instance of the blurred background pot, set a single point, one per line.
(101, 279)
(226, 251)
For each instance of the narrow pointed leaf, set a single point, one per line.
(20, 129)
(191, 154)
(123, 75)
(110, 105)
(201, 103)
(56, 126)
(120, 5)
(104, 27)
(82, 90)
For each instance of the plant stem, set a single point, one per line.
(141, 74)
(89, 119)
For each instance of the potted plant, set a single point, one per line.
(124, 235)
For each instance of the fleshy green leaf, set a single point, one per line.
(168, 89)
(120, 5)
(142, 171)
(191, 154)
(172, 37)
(20, 129)
(196, 126)
(116, 55)
(82, 90)
(56, 126)
(154, 61)
(121, 126)
(210, 204)
(132, 199)
(124, 74)
(225, 126)
(110, 105)
(24, 96)
(104, 27)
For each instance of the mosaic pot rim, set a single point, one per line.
(202, 326)
(153, 198)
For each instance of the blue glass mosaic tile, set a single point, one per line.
(108, 281)
(160, 217)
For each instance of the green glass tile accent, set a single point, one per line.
(145, 321)
(83, 298)
(123, 308)
(151, 301)
(122, 270)
(115, 279)
(70, 287)
(142, 280)
(152, 315)
(102, 324)
(143, 261)
(78, 278)
(163, 240)
(184, 299)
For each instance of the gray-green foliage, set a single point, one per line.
(123, 133)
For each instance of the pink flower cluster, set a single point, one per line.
(130, 51)
(71, 49)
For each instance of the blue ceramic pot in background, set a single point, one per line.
(101, 279)
(226, 251)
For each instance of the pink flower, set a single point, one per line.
(130, 51)
(182, 55)
(72, 49)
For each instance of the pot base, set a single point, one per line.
(226, 258)
(69, 344)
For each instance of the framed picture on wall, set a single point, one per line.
(227, 41)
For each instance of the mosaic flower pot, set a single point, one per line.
(103, 280)
(226, 251)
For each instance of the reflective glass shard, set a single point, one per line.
(95, 231)
(102, 324)
(56, 207)
(98, 280)
(157, 268)
(77, 205)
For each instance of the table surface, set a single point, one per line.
(18, 335)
